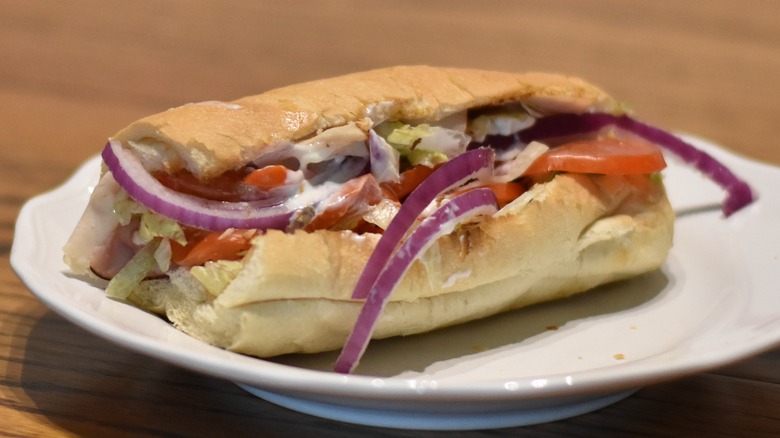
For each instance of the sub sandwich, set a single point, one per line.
(390, 202)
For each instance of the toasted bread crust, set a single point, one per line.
(209, 138)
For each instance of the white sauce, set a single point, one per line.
(455, 277)
(309, 194)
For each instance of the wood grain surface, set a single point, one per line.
(73, 73)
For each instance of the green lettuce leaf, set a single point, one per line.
(423, 143)
(129, 277)
(153, 225)
(215, 276)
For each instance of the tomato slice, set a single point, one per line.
(203, 246)
(348, 204)
(230, 186)
(267, 177)
(409, 180)
(222, 188)
(506, 192)
(608, 156)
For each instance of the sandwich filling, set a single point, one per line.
(409, 181)
(353, 177)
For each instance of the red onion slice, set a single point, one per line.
(130, 174)
(480, 201)
(477, 163)
(738, 192)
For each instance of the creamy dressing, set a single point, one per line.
(347, 140)
(310, 194)
(454, 278)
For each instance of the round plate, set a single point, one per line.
(714, 302)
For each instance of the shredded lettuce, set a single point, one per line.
(423, 143)
(215, 276)
(424, 157)
(163, 255)
(152, 229)
(404, 137)
(129, 277)
(153, 225)
(126, 207)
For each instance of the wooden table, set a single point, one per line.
(73, 73)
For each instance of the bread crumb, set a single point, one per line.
(619, 356)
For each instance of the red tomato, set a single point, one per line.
(608, 156)
(203, 246)
(229, 186)
(222, 188)
(506, 192)
(268, 177)
(409, 180)
(349, 203)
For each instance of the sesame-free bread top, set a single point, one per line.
(209, 138)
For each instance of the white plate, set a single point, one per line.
(715, 301)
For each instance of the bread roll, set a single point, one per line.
(293, 291)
